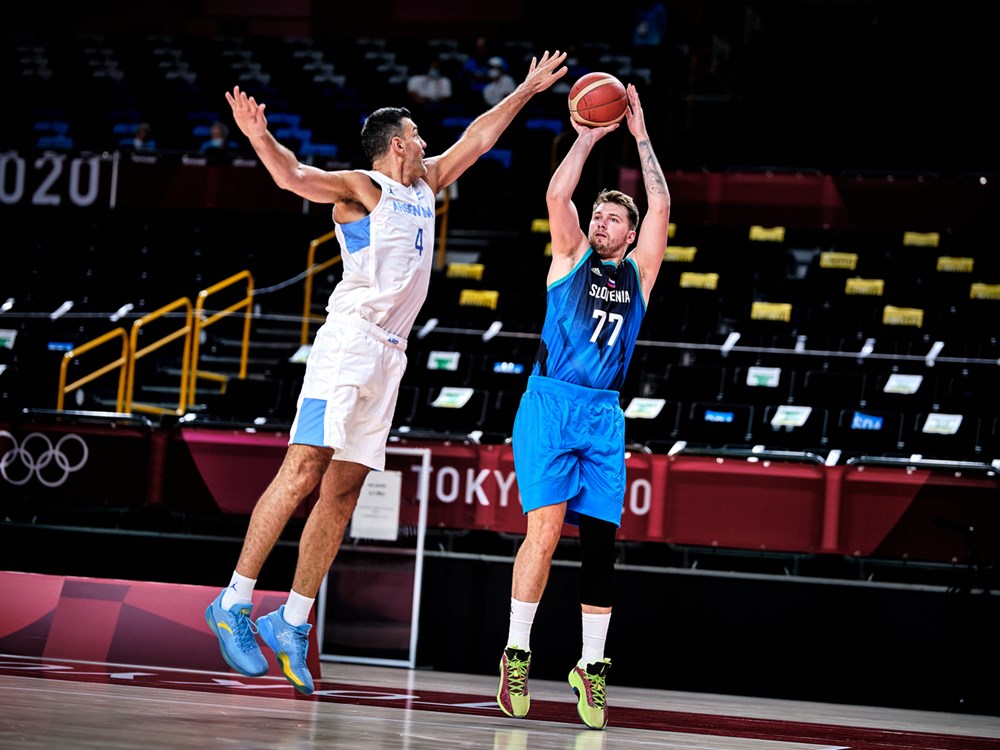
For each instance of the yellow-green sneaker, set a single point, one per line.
(590, 685)
(512, 695)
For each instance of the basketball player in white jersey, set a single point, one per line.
(384, 221)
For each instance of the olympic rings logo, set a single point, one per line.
(18, 464)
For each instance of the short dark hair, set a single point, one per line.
(623, 200)
(380, 127)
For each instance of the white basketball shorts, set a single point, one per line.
(349, 391)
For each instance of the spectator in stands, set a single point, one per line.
(476, 68)
(501, 83)
(651, 26)
(430, 88)
(384, 219)
(142, 139)
(219, 141)
(430, 96)
(569, 431)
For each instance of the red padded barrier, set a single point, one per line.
(867, 511)
(120, 622)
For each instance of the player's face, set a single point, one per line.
(414, 145)
(610, 234)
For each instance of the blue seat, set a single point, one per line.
(717, 425)
(867, 432)
(59, 127)
(55, 141)
(456, 122)
(542, 123)
(320, 149)
(302, 134)
(502, 155)
(286, 119)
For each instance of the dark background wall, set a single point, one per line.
(828, 84)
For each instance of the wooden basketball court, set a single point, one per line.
(67, 704)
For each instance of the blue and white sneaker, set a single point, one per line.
(235, 631)
(290, 644)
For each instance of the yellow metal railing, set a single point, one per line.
(121, 364)
(137, 354)
(246, 303)
(307, 316)
(442, 230)
(195, 324)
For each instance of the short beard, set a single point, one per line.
(603, 249)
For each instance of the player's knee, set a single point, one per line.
(597, 568)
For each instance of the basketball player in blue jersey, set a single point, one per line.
(569, 432)
(384, 221)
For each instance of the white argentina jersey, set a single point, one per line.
(387, 257)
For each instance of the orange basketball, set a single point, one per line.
(597, 99)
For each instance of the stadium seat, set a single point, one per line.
(451, 410)
(651, 421)
(867, 432)
(830, 388)
(692, 382)
(761, 384)
(717, 424)
(942, 435)
(790, 427)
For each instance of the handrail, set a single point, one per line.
(121, 364)
(442, 230)
(200, 325)
(103, 418)
(137, 354)
(925, 463)
(755, 452)
(307, 316)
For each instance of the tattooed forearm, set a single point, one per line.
(652, 175)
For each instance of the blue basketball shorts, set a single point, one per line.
(569, 446)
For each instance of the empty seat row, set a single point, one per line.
(456, 412)
(659, 424)
(473, 363)
(966, 388)
(443, 411)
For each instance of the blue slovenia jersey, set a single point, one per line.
(591, 324)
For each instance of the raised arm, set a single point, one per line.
(654, 227)
(283, 165)
(485, 130)
(568, 238)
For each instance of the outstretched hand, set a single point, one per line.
(594, 132)
(633, 113)
(546, 71)
(249, 115)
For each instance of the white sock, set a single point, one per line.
(240, 591)
(297, 608)
(522, 616)
(595, 632)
